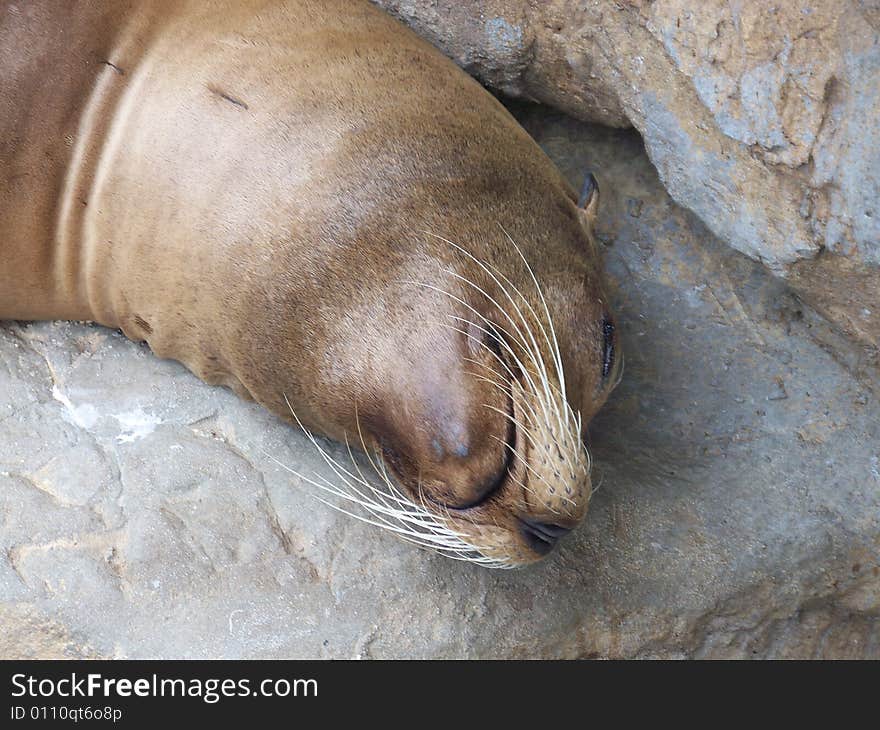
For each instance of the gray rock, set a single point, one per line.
(143, 514)
(762, 118)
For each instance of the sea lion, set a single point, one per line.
(304, 201)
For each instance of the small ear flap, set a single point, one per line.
(588, 203)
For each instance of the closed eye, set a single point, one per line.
(607, 347)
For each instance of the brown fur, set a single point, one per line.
(252, 188)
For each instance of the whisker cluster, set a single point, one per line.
(537, 383)
(518, 339)
(385, 505)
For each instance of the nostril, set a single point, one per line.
(541, 536)
(546, 528)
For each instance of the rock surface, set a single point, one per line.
(762, 118)
(141, 514)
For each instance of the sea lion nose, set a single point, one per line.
(446, 429)
(541, 536)
(473, 459)
(454, 472)
(477, 483)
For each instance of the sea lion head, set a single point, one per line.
(467, 368)
(310, 204)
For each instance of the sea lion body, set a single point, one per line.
(295, 199)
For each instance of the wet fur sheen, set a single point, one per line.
(307, 203)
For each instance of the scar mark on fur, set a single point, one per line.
(143, 324)
(114, 67)
(223, 95)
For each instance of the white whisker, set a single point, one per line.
(386, 506)
(489, 268)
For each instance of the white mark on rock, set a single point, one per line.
(85, 416)
(136, 424)
(502, 35)
(231, 615)
(694, 296)
(875, 467)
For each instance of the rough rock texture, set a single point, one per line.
(762, 118)
(738, 514)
